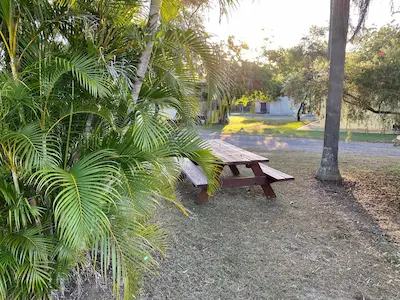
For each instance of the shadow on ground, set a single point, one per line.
(314, 241)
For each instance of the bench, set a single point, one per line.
(275, 175)
(196, 175)
(199, 179)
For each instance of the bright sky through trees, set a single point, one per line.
(284, 22)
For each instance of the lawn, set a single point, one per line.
(288, 128)
(314, 241)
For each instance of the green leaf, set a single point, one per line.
(82, 196)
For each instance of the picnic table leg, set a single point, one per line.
(203, 196)
(267, 188)
(235, 170)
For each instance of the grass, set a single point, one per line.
(288, 128)
(240, 245)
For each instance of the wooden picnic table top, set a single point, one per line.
(232, 155)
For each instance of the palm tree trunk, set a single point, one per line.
(152, 25)
(329, 169)
(14, 70)
(15, 181)
(330, 31)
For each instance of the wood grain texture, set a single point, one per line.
(193, 172)
(275, 174)
(231, 154)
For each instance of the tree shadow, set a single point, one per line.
(343, 197)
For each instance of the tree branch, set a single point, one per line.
(367, 107)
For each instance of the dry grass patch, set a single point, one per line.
(315, 241)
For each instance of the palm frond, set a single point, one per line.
(17, 104)
(189, 44)
(188, 144)
(85, 69)
(81, 196)
(31, 148)
(128, 249)
(150, 131)
(17, 213)
(26, 254)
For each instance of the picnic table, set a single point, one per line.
(232, 156)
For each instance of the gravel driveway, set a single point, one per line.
(307, 145)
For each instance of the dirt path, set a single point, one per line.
(312, 242)
(307, 145)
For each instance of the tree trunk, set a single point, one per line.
(329, 169)
(152, 25)
(14, 70)
(88, 127)
(301, 108)
(330, 31)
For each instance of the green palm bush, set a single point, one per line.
(81, 168)
(64, 193)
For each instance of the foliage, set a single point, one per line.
(371, 72)
(288, 128)
(82, 168)
(249, 76)
(250, 100)
(245, 80)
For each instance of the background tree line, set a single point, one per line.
(302, 72)
(371, 73)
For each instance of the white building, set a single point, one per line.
(280, 106)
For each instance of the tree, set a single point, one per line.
(339, 23)
(82, 168)
(144, 60)
(246, 80)
(371, 72)
(329, 169)
(371, 69)
(156, 9)
(298, 67)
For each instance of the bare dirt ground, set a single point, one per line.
(315, 241)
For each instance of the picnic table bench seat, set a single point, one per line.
(275, 175)
(193, 172)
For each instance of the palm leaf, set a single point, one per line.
(85, 69)
(81, 196)
(32, 148)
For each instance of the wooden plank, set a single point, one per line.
(231, 154)
(226, 153)
(275, 174)
(243, 181)
(249, 155)
(222, 154)
(193, 172)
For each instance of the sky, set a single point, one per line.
(284, 22)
